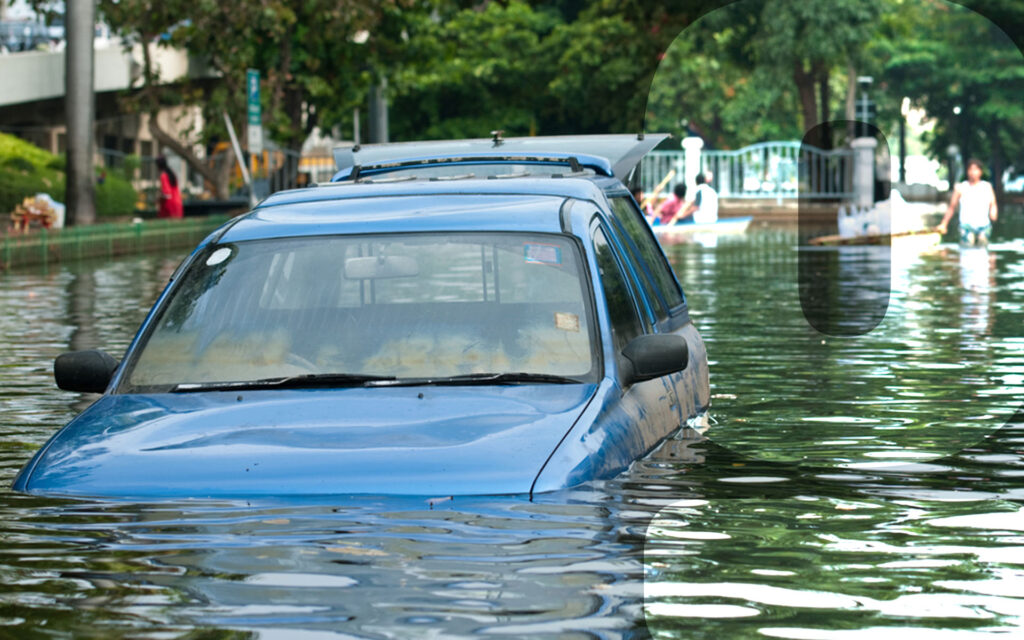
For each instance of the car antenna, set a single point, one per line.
(640, 135)
(496, 137)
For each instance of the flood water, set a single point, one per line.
(851, 486)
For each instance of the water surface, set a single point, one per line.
(851, 486)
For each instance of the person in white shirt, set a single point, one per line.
(978, 210)
(704, 206)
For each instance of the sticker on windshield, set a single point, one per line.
(218, 256)
(567, 321)
(536, 253)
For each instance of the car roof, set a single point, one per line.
(513, 204)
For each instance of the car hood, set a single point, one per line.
(434, 441)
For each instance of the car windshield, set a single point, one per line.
(365, 309)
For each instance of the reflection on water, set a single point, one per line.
(845, 290)
(939, 372)
(851, 486)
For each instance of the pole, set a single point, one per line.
(241, 159)
(863, 114)
(378, 116)
(903, 149)
(80, 112)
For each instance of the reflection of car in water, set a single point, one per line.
(401, 334)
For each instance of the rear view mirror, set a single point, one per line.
(653, 356)
(372, 267)
(87, 371)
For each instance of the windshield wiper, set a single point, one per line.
(478, 379)
(306, 380)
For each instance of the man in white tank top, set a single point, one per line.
(978, 208)
(704, 206)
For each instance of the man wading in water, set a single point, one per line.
(978, 209)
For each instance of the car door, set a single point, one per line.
(648, 411)
(667, 301)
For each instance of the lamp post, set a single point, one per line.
(80, 110)
(377, 120)
(904, 113)
(952, 151)
(865, 105)
(377, 109)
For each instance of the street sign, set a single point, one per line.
(254, 129)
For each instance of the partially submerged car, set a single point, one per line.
(476, 317)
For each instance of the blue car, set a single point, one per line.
(449, 318)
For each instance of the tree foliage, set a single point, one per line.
(757, 70)
(772, 68)
(967, 74)
(310, 63)
(545, 67)
(739, 72)
(466, 72)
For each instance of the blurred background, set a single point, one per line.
(946, 79)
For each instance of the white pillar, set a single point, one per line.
(864, 171)
(691, 147)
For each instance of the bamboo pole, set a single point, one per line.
(661, 185)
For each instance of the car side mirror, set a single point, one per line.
(87, 371)
(653, 356)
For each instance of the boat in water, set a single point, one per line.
(918, 239)
(893, 221)
(678, 233)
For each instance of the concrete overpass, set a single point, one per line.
(32, 99)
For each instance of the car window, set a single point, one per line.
(641, 274)
(404, 305)
(636, 227)
(625, 324)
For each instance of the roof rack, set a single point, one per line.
(359, 172)
(609, 155)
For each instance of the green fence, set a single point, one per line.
(103, 240)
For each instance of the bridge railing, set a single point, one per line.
(767, 170)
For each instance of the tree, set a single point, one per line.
(310, 62)
(709, 84)
(607, 58)
(463, 72)
(758, 69)
(967, 74)
(529, 67)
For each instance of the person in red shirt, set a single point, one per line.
(170, 195)
(667, 210)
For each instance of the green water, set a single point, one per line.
(850, 487)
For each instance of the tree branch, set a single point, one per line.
(166, 139)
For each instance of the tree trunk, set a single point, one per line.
(218, 180)
(824, 100)
(997, 163)
(808, 102)
(851, 101)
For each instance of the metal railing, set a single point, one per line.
(770, 170)
(657, 165)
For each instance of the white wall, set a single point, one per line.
(39, 75)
